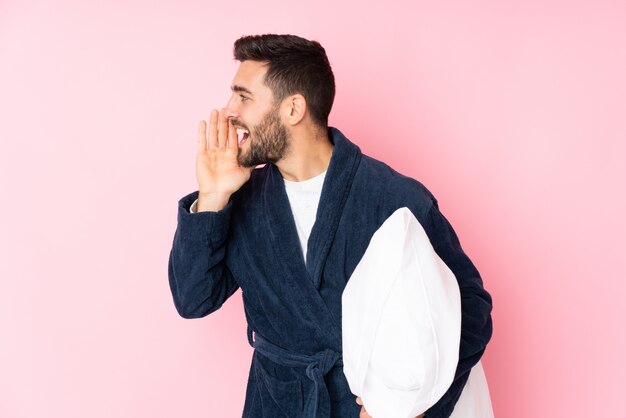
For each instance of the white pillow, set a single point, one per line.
(401, 322)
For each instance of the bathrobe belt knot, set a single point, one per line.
(317, 366)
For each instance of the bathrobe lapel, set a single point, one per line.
(341, 170)
(307, 276)
(340, 173)
(281, 225)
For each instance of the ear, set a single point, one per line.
(295, 108)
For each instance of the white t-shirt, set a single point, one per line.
(304, 196)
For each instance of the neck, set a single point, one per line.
(309, 155)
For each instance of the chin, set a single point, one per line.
(244, 163)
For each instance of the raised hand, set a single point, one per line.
(217, 169)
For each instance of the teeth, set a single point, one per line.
(240, 133)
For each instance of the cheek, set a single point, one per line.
(249, 120)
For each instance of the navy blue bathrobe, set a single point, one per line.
(293, 305)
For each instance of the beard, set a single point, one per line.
(268, 141)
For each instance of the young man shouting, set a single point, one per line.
(291, 232)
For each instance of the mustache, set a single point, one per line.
(238, 124)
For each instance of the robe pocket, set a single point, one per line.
(287, 395)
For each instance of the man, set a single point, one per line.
(290, 233)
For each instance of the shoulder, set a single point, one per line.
(397, 189)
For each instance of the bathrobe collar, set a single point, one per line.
(344, 161)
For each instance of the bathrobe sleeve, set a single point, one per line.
(199, 278)
(476, 306)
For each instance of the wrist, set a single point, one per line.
(212, 202)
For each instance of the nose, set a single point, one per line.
(231, 109)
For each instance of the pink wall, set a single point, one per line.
(511, 112)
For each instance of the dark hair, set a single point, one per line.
(295, 65)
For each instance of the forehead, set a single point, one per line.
(250, 75)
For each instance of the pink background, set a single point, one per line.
(511, 112)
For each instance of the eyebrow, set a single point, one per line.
(241, 89)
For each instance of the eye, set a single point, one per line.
(243, 98)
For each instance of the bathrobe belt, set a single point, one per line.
(317, 366)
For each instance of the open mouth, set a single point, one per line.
(242, 135)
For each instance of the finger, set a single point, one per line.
(359, 401)
(222, 134)
(213, 128)
(233, 140)
(201, 136)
